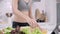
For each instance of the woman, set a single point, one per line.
(23, 14)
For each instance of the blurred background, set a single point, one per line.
(50, 7)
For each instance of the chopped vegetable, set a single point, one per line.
(25, 30)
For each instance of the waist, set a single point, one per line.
(19, 18)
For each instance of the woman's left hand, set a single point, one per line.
(33, 23)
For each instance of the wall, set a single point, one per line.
(5, 6)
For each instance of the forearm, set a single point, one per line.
(31, 13)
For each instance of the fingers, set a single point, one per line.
(33, 23)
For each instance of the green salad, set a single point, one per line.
(36, 31)
(25, 30)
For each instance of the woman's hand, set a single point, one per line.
(32, 23)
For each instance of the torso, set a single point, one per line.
(24, 8)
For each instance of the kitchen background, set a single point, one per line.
(49, 6)
(57, 29)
